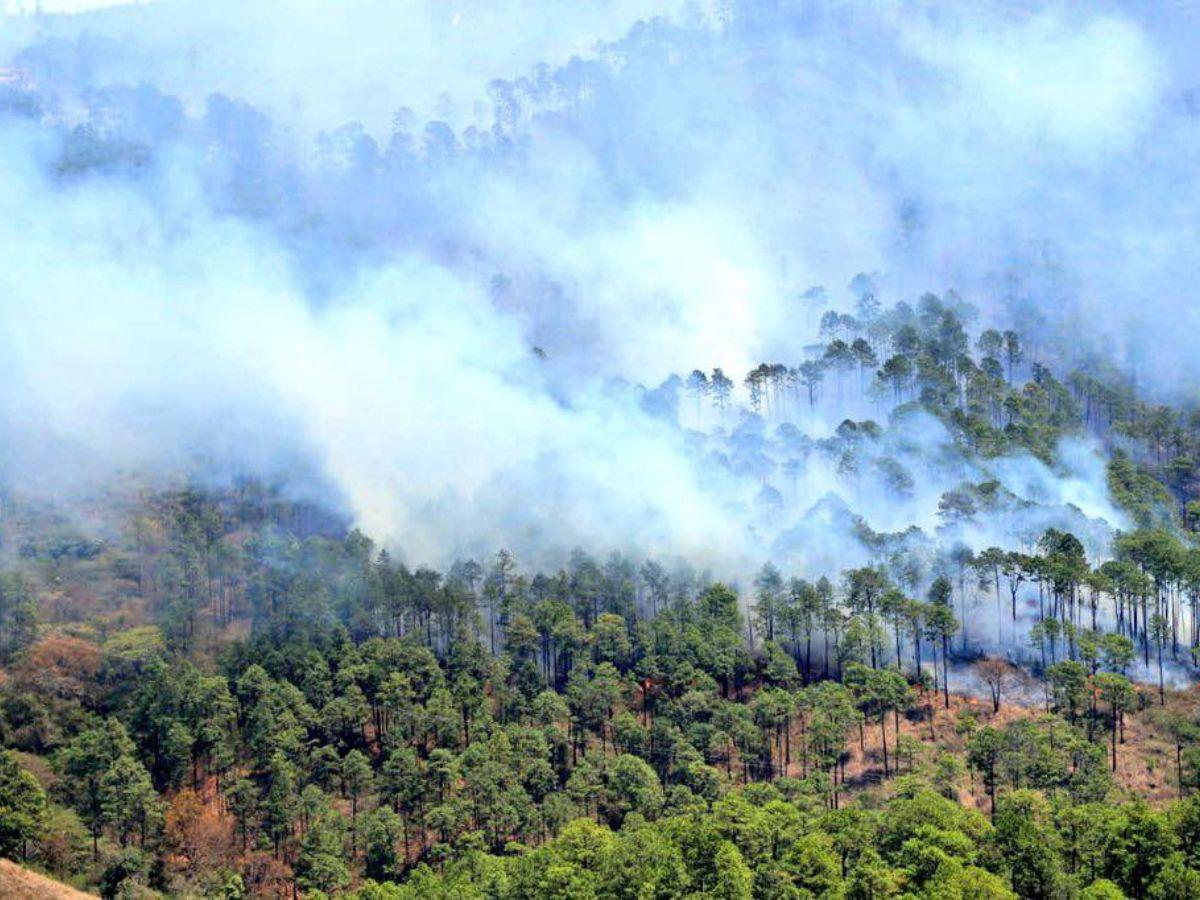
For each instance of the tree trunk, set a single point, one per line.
(946, 669)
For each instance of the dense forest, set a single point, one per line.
(226, 691)
(636, 449)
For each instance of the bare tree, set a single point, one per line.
(1000, 678)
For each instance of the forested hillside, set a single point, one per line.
(230, 691)
(723, 450)
(213, 702)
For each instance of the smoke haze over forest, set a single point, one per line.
(529, 449)
(324, 245)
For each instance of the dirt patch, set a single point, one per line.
(17, 883)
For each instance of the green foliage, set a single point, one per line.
(321, 864)
(22, 808)
(18, 614)
(1137, 492)
(1024, 845)
(635, 734)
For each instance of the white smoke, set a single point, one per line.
(275, 289)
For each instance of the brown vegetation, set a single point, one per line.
(17, 883)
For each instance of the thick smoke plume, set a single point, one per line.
(426, 256)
